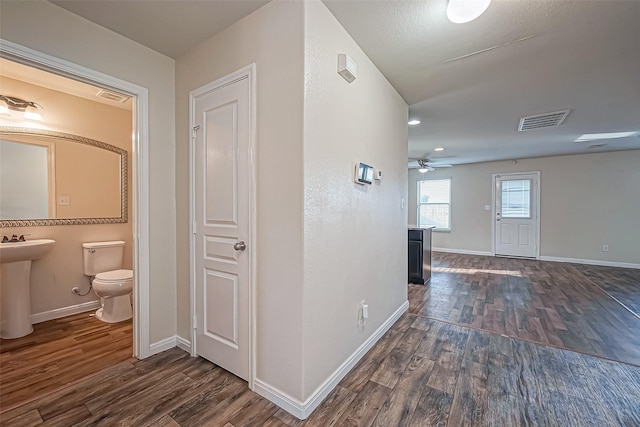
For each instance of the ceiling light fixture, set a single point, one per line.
(28, 108)
(463, 11)
(438, 149)
(424, 166)
(414, 122)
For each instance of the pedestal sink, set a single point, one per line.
(15, 290)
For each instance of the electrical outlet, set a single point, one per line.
(64, 201)
(605, 248)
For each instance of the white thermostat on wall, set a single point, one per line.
(347, 68)
(363, 174)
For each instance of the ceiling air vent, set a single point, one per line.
(546, 120)
(112, 96)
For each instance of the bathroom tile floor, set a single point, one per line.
(58, 353)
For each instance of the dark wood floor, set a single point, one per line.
(544, 302)
(59, 352)
(423, 372)
(623, 284)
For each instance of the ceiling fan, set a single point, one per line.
(426, 165)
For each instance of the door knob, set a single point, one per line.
(240, 246)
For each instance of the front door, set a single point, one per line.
(222, 131)
(516, 215)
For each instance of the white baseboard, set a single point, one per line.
(183, 344)
(64, 311)
(590, 262)
(462, 251)
(162, 345)
(302, 410)
(280, 398)
(169, 343)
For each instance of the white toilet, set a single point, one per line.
(103, 262)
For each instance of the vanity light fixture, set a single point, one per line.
(463, 11)
(414, 122)
(28, 108)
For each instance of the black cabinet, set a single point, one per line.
(419, 255)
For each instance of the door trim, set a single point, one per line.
(246, 72)
(140, 162)
(536, 196)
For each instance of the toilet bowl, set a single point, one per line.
(114, 289)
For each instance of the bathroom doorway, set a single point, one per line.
(55, 322)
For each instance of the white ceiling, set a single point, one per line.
(170, 27)
(42, 78)
(584, 55)
(581, 55)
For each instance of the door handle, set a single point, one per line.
(240, 246)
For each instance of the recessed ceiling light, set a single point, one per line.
(462, 11)
(597, 136)
(414, 122)
(438, 149)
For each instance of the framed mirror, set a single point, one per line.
(55, 178)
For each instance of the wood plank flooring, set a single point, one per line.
(544, 302)
(59, 352)
(623, 284)
(422, 372)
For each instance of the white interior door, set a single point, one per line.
(516, 215)
(222, 132)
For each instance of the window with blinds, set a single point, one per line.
(516, 198)
(434, 203)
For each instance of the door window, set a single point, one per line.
(516, 198)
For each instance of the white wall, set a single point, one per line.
(272, 37)
(586, 201)
(354, 236)
(64, 35)
(311, 129)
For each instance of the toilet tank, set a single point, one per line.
(102, 256)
